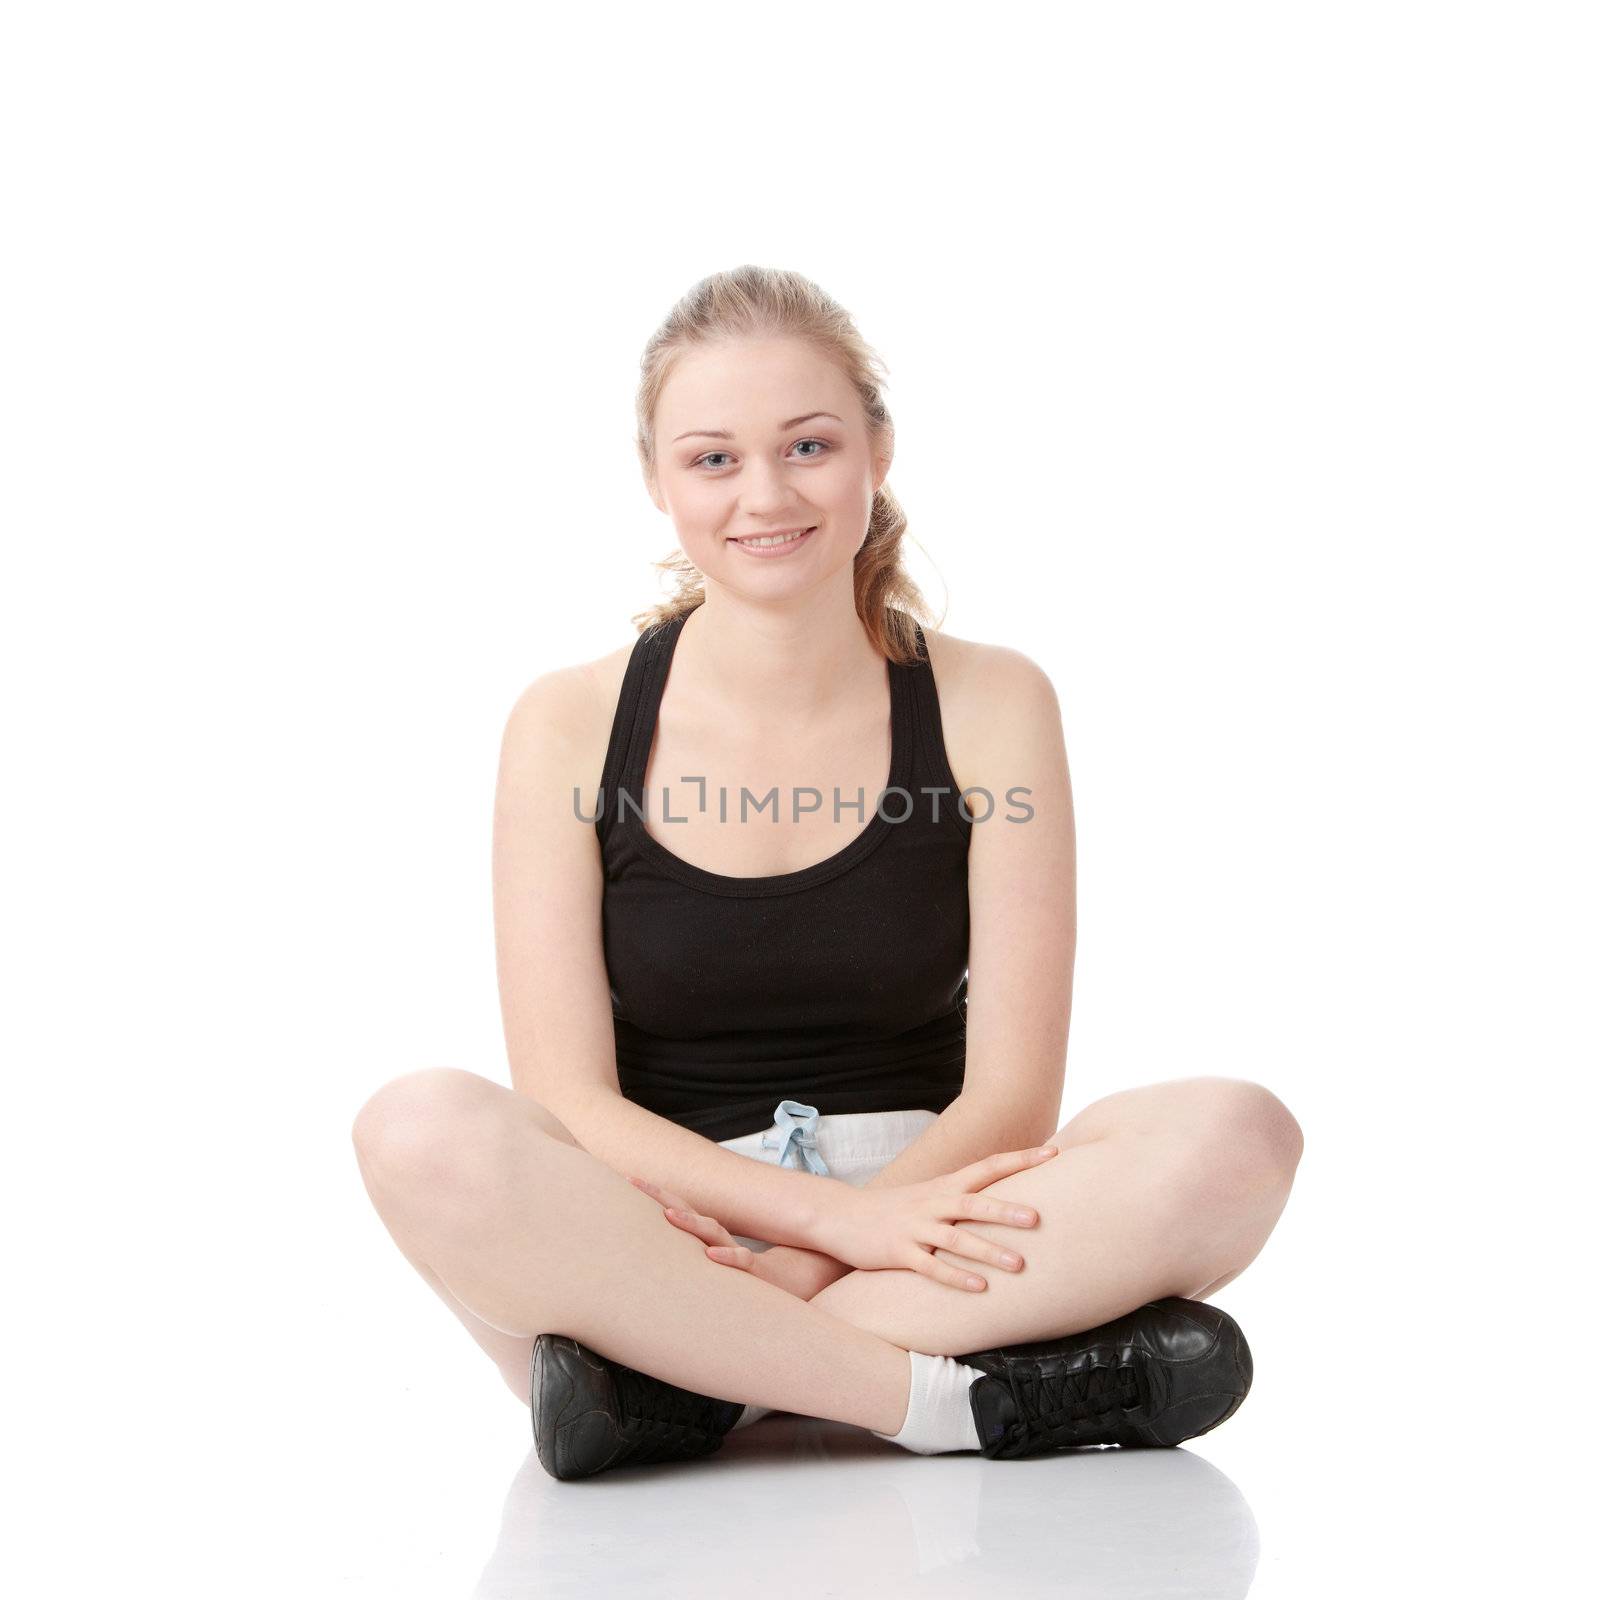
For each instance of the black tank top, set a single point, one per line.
(842, 985)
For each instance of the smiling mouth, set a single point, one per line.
(772, 541)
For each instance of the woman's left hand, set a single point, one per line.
(720, 1245)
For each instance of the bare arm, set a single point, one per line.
(1022, 888)
(555, 993)
(745, 1196)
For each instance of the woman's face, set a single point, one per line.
(764, 437)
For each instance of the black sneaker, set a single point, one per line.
(1167, 1372)
(591, 1413)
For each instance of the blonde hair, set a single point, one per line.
(767, 302)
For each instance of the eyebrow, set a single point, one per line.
(719, 433)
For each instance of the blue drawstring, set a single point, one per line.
(799, 1136)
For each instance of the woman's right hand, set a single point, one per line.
(902, 1226)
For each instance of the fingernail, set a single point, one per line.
(1023, 1217)
(974, 1283)
(1010, 1260)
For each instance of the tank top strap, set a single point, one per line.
(933, 761)
(634, 720)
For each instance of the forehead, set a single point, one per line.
(751, 384)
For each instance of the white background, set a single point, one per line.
(1244, 364)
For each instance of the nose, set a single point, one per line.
(764, 494)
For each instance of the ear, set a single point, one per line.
(880, 469)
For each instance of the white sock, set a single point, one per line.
(751, 1413)
(939, 1415)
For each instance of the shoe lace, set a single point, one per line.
(657, 1415)
(1077, 1396)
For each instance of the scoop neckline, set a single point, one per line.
(643, 739)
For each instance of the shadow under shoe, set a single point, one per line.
(591, 1413)
(1169, 1371)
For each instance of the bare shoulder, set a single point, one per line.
(561, 722)
(996, 704)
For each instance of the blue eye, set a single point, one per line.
(710, 453)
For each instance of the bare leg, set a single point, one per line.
(1170, 1189)
(511, 1353)
(532, 1234)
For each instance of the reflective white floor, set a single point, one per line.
(816, 1502)
(1358, 1466)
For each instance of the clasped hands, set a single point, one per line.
(891, 1227)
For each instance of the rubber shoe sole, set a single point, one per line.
(1169, 1371)
(591, 1413)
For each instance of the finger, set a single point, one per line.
(731, 1255)
(931, 1266)
(693, 1222)
(976, 1248)
(989, 1208)
(656, 1192)
(707, 1228)
(982, 1173)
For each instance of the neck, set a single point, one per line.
(770, 664)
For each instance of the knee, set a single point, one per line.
(421, 1127)
(1242, 1139)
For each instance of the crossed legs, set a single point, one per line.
(1171, 1188)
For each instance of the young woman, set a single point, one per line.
(787, 1020)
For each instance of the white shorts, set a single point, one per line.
(852, 1147)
